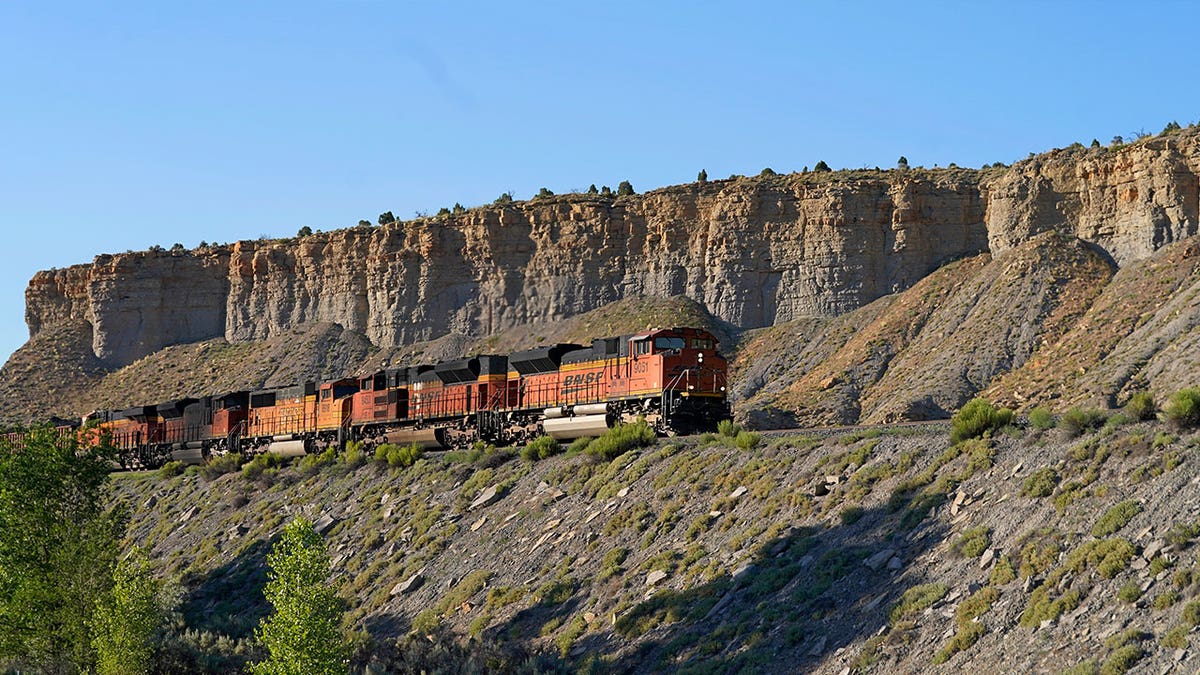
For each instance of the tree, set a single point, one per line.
(902, 163)
(364, 223)
(58, 547)
(767, 172)
(821, 166)
(458, 209)
(624, 189)
(1095, 142)
(702, 177)
(504, 198)
(605, 191)
(592, 189)
(126, 619)
(543, 193)
(305, 231)
(386, 218)
(303, 634)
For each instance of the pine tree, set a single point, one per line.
(702, 177)
(303, 635)
(624, 189)
(821, 166)
(902, 163)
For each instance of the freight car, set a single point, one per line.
(673, 378)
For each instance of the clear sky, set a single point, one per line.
(125, 125)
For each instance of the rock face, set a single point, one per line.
(753, 251)
(1129, 201)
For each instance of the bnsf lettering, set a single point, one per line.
(582, 379)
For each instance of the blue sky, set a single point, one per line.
(131, 125)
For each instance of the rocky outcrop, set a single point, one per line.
(136, 303)
(1131, 200)
(752, 251)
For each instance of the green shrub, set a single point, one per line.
(311, 464)
(171, 469)
(579, 445)
(1040, 483)
(1122, 660)
(621, 439)
(1183, 408)
(916, 599)
(1078, 420)
(1141, 406)
(1176, 638)
(1166, 599)
(221, 465)
(260, 464)
(973, 542)
(1116, 518)
(851, 515)
(541, 448)
(746, 440)
(1040, 418)
(353, 456)
(728, 428)
(398, 455)
(1130, 592)
(977, 418)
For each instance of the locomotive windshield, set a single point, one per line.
(666, 343)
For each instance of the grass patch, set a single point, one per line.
(976, 418)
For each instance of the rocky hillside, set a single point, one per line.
(878, 551)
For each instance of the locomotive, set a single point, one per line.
(673, 378)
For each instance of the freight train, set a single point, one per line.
(673, 378)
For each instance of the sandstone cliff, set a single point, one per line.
(753, 251)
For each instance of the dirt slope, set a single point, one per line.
(803, 553)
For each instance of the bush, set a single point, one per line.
(1078, 420)
(728, 428)
(541, 448)
(1041, 483)
(311, 464)
(976, 418)
(398, 455)
(1141, 406)
(221, 465)
(624, 189)
(973, 542)
(1116, 518)
(579, 445)
(620, 439)
(259, 465)
(1040, 418)
(171, 469)
(353, 456)
(746, 440)
(1183, 408)
(821, 167)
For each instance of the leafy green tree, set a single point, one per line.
(303, 635)
(386, 218)
(702, 177)
(126, 619)
(605, 191)
(822, 166)
(504, 198)
(58, 547)
(624, 188)
(592, 189)
(458, 209)
(902, 163)
(543, 193)
(767, 172)
(305, 231)
(443, 211)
